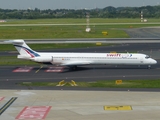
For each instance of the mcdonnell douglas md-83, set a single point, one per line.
(76, 59)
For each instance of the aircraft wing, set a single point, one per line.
(72, 63)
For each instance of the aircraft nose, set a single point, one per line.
(154, 61)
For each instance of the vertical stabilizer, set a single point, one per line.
(23, 48)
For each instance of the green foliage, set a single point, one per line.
(107, 12)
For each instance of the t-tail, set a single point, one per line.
(24, 50)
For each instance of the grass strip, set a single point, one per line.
(52, 32)
(10, 47)
(72, 20)
(115, 30)
(12, 60)
(105, 84)
(70, 31)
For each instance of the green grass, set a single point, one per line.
(52, 32)
(71, 31)
(38, 84)
(106, 84)
(12, 60)
(128, 84)
(70, 21)
(10, 47)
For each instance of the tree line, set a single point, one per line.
(107, 12)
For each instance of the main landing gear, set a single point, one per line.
(149, 66)
(73, 67)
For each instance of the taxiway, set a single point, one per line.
(9, 79)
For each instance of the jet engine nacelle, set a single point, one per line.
(42, 59)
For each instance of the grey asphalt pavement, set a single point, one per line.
(9, 79)
(150, 32)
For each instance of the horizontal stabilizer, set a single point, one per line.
(24, 50)
(18, 41)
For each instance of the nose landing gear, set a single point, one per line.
(149, 66)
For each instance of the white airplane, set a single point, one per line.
(76, 59)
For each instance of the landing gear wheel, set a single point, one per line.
(73, 67)
(149, 66)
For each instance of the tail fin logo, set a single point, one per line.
(28, 51)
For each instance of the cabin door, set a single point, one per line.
(141, 60)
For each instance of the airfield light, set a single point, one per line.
(88, 29)
(141, 16)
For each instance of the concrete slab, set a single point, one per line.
(86, 105)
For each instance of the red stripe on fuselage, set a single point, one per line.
(29, 53)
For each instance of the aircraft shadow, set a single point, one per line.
(86, 68)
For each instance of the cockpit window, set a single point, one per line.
(147, 57)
